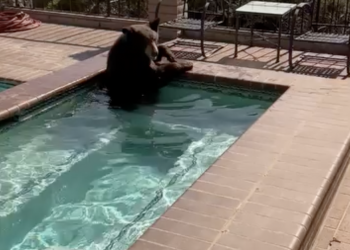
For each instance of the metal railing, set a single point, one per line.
(119, 8)
(333, 14)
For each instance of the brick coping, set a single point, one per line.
(266, 190)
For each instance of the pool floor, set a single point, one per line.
(84, 176)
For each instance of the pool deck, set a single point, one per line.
(306, 63)
(29, 54)
(51, 47)
(334, 233)
(265, 192)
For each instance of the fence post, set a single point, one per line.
(318, 8)
(169, 10)
(108, 13)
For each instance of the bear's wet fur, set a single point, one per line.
(134, 68)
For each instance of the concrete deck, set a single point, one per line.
(34, 53)
(312, 64)
(51, 47)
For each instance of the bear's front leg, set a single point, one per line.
(164, 51)
(167, 71)
(174, 68)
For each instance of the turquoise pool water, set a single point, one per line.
(83, 176)
(4, 85)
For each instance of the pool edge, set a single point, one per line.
(15, 100)
(21, 97)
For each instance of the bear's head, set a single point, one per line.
(144, 38)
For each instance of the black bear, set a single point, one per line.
(134, 68)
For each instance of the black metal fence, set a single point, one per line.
(333, 14)
(119, 8)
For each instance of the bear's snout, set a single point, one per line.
(152, 51)
(154, 54)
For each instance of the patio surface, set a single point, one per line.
(312, 64)
(51, 47)
(29, 54)
(283, 196)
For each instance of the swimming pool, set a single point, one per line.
(84, 176)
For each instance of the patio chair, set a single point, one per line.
(316, 34)
(189, 22)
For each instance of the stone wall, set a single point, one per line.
(169, 10)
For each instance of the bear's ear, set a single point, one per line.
(127, 30)
(154, 24)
